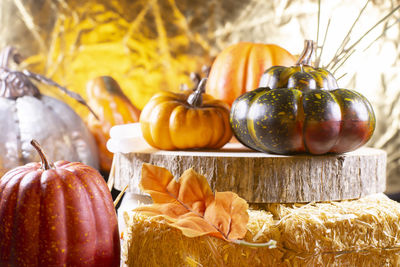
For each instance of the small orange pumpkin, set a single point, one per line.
(112, 107)
(186, 120)
(238, 68)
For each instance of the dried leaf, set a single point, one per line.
(190, 205)
(228, 205)
(192, 188)
(159, 183)
(195, 191)
(191, 224)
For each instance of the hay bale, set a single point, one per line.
(363, 232)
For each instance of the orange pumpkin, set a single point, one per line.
(186, 120)
(112, 107)
(238, 68)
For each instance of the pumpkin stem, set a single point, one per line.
(195, 99)
(5, 56)
(14, 84)
(7, 53)
(308, 52)
(46, 164)
(196, 78)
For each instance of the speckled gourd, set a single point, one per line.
(301, 109)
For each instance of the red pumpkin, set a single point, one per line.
(59, 214)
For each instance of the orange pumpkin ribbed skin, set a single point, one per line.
(112, 107)
(238, 68)
(63, 216)
(168, 122)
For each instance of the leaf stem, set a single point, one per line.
(270, 244)
(198, 214)
(201, 216)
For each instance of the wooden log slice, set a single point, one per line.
(266, 178)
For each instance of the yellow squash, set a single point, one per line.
(186, 120)
(112, 107)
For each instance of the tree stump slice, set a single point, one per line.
(266, 178)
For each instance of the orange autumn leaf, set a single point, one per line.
(159, 184)
(226, 212)
(190, 205)
(192, 188)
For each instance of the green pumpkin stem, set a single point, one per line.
(195, 99)
(307, 54)
(46, 164)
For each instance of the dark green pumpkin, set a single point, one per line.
(301, 109)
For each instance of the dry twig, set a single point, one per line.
(345, 49)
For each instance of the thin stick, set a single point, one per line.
(343, 60)
(5, 56)
(50, 82)
(29, 23)
(111, 176)
(118, 199)
(318, 24)
(347, 37)
(383, 32)
(373, 27)
(345, 51)
(341, 76)
(318, 60)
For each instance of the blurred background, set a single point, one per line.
(153, 45)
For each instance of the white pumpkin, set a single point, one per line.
(25, 114)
